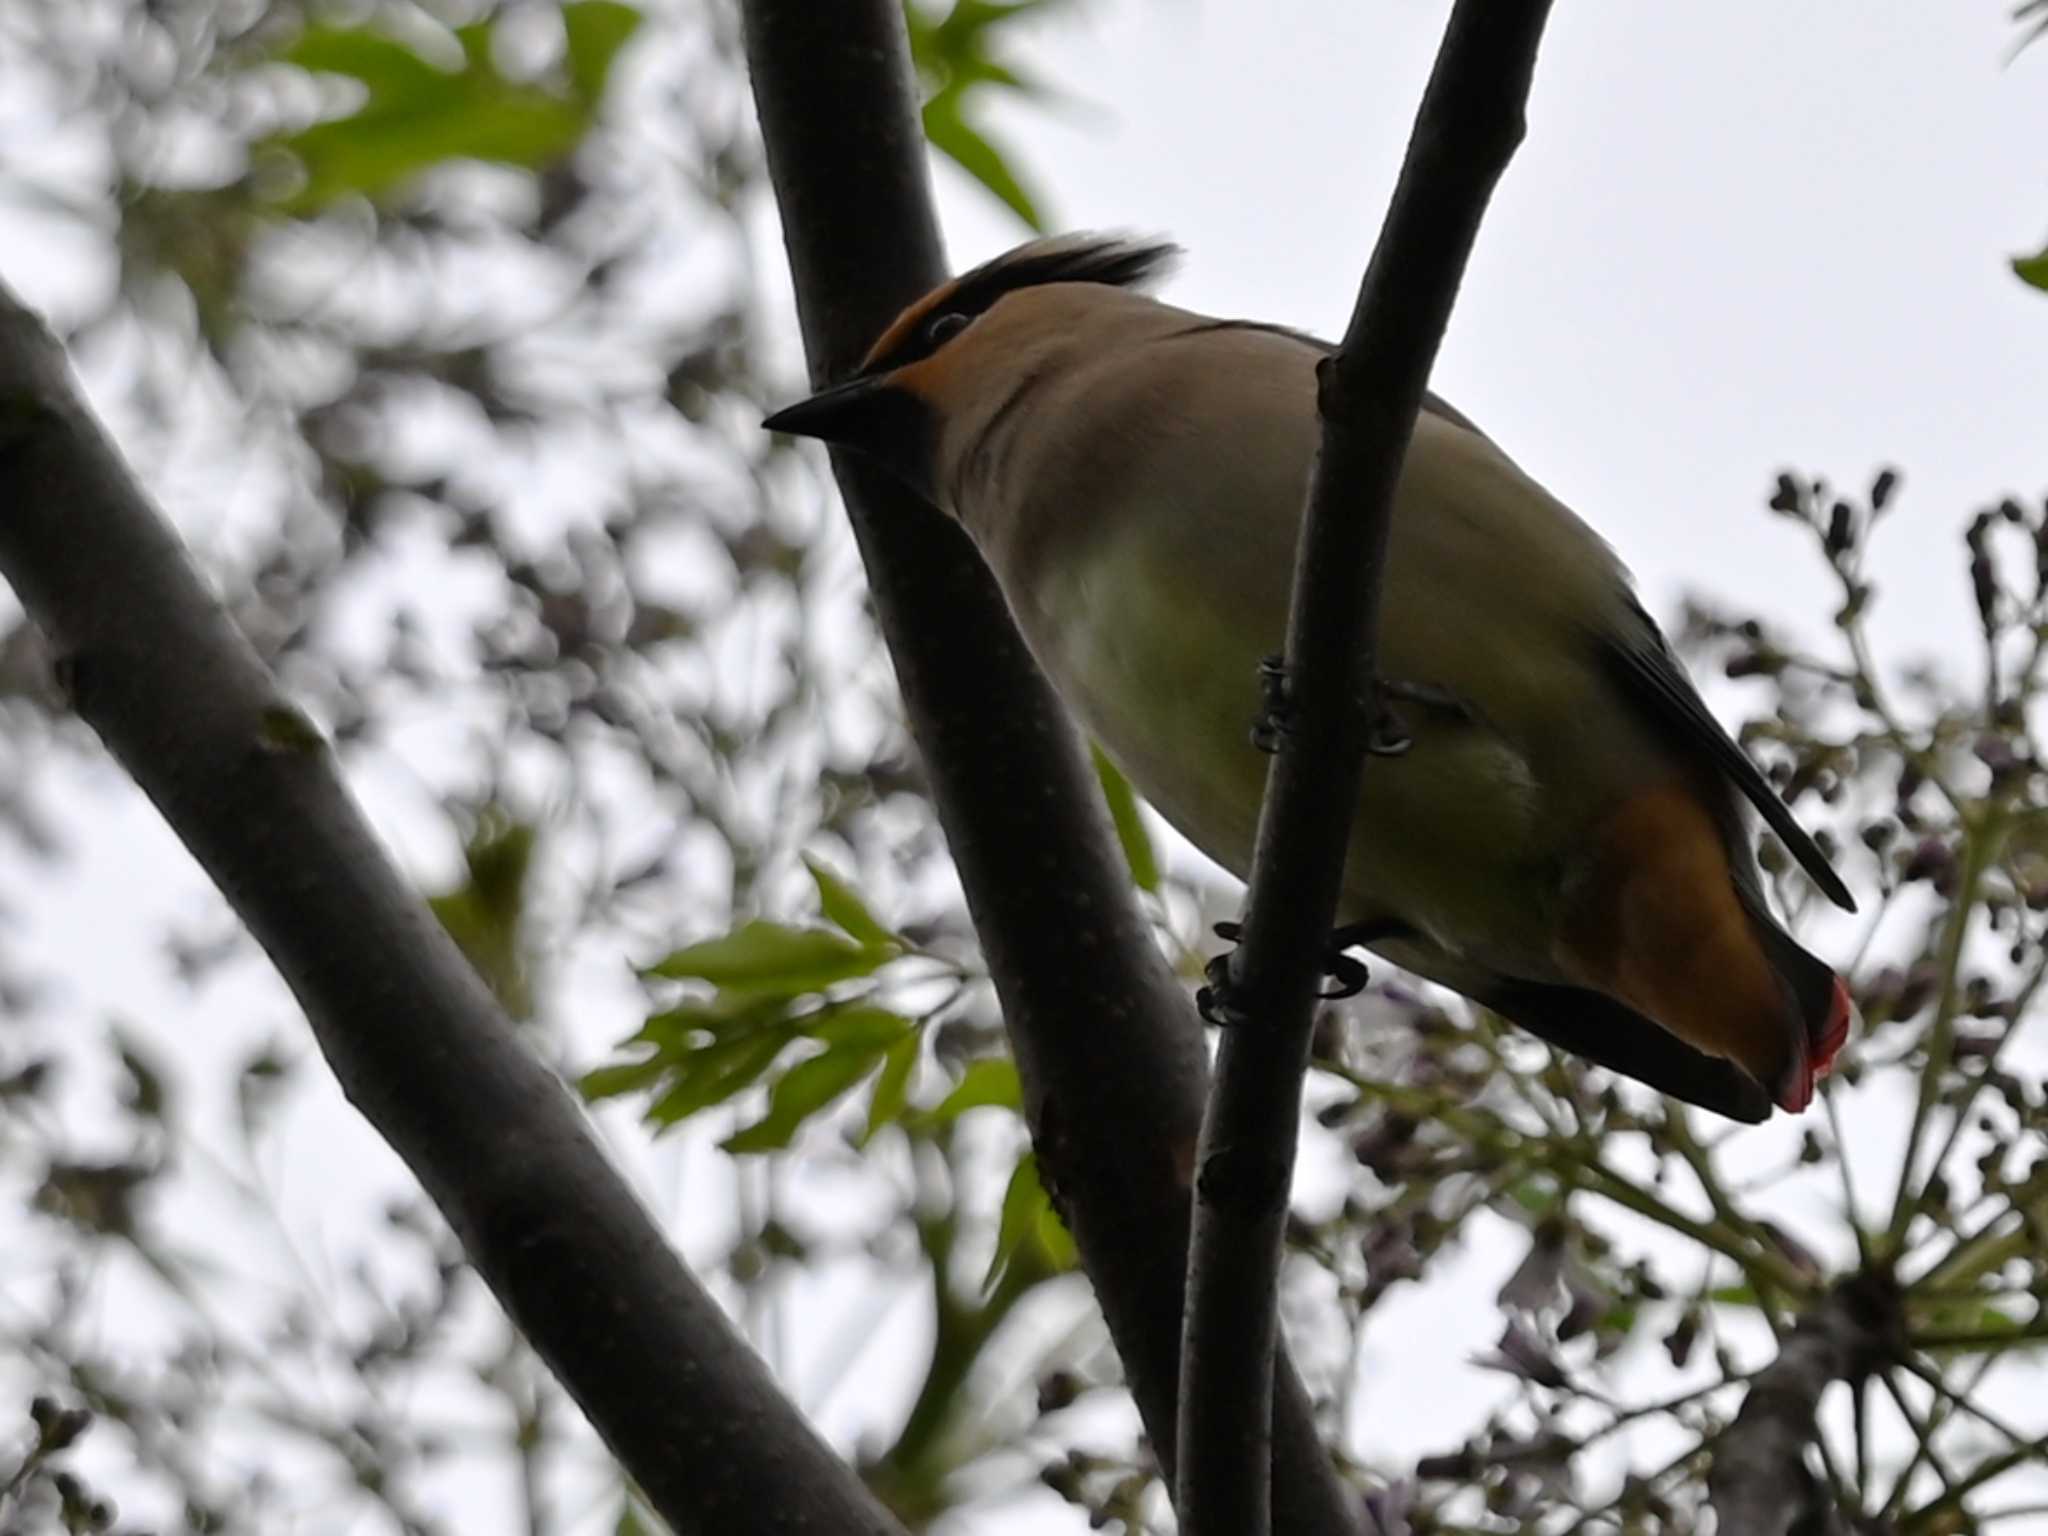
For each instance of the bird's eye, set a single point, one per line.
(942, 328)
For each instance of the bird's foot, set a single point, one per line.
(1388, 734)
(1218, 1002)
(1275, 718)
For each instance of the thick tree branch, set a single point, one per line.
(1469, 125)
(1759, 1484)
(1109, 1050)
(178, 695)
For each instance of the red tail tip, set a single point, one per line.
(1795, 1089)
(1836, 1035)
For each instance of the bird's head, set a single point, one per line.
(948, 366)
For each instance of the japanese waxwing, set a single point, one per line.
(1564, 841)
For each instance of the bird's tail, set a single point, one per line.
(1822, 1003)
(1662, 922)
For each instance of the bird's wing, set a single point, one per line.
(1432, 402)
(1622, 1040)
(1642, 662)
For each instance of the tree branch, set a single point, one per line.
(1467, 130)
(1108, 1048)
(179, 696)
(1759, 1484)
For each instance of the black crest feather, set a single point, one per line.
(1121, 261)
(1118, 260)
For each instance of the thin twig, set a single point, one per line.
(1963, 1402)
(1925, 1429)
(2020, 1009)
(1906, 1202)
(1945, 1404)
(1369, 391)
(1987, 1471)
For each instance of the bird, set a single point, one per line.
(1565, 838)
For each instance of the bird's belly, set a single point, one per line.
(1164, 674)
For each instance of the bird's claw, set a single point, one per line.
(1387, 736)
(1275, 718)
(1347, 976)
(1216, 1001)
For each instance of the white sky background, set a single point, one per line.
(1739, 237)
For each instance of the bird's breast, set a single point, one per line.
(1154, 634)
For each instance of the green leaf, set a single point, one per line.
(774, 959)
(1538, 1196)
(676, 1030)
(2033, 269)
(616, 1079)
(956, 59)
(486, 915)
(892, 1088)
(1028, 1223)
(636, 1519)
(1743, 1295)
(717, 1072)
(596, 30)
(371, 154)
(475, 39)
(143, 1091)
(391, 72)
(1054, 1240)
(417, 116)
(953, 137)
(285, 728)
(801, 1092)
(966, 32)
(844, 909)
(1129, 822)
(862, 1025)
(989, 1081)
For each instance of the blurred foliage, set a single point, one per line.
(2032, 18)
(1124, 815)
(39, 1487)
(959, 53)
(434, 326)
(415, 117)
(486, 914)
(2033, 269)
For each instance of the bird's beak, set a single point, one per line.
(846, 413)
(879, 416)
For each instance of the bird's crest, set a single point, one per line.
(1117, 260)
